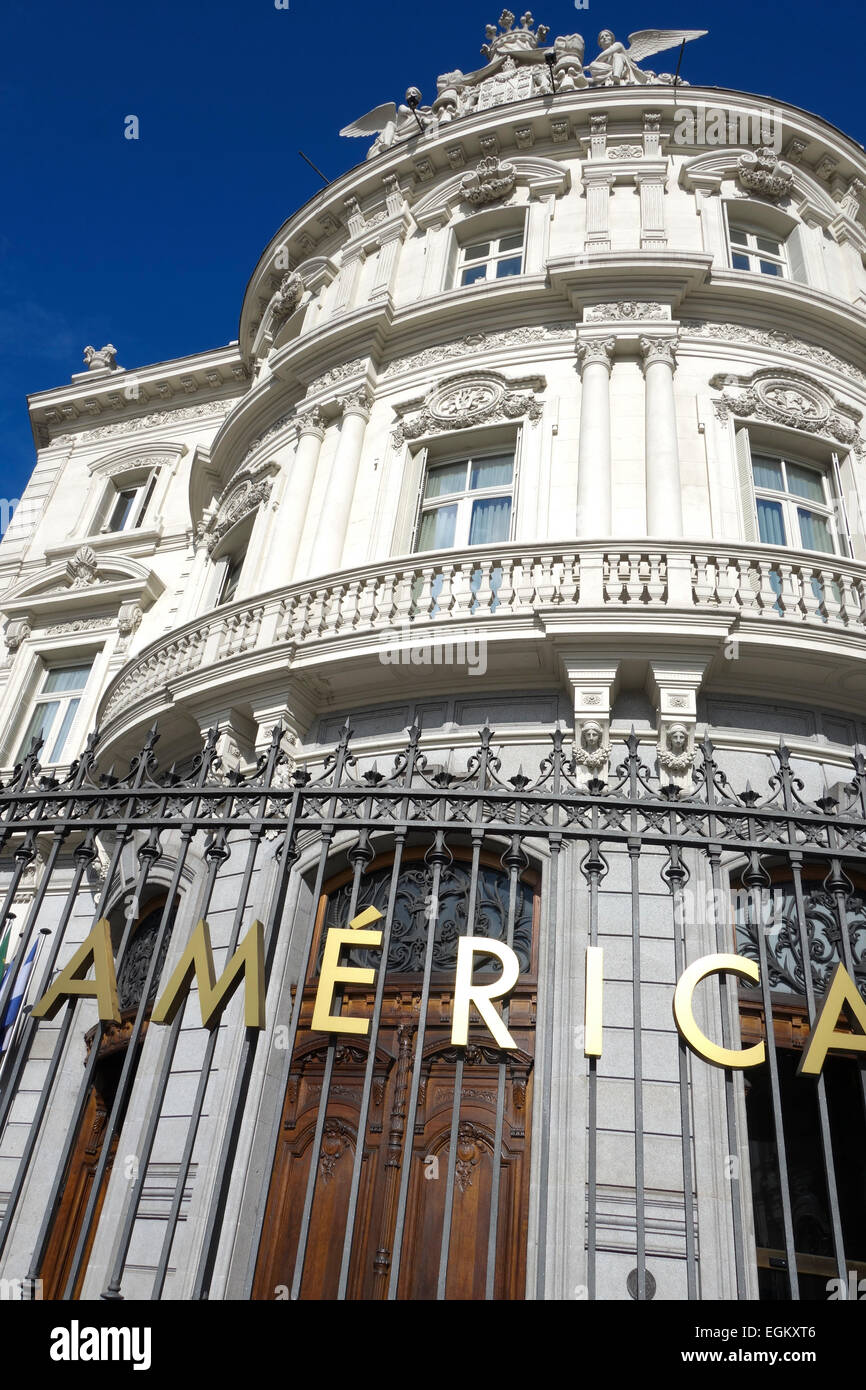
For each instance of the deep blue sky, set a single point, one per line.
(148, 244)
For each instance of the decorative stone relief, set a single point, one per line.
(625, 152)
(473, 342)
(128, 619)
(761, 171)
(782, 342)
(625, 309)
(287, 298)
(676, 756)
(243, 496)
(568, 74)
(346, 369)
(81, 570)
(79, 625)
(591, 750)
(467, 400)
(17, 631)
(793, 400)
(488, 181)
(151, 421)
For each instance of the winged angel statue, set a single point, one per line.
(387, 122)
(617, 65)
(460, 94)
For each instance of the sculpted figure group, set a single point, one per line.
(518, 68)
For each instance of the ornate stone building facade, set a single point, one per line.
(547, 416)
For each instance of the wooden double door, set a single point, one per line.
(386, 1145)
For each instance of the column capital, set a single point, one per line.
(596, 350)
(311, 422)
(357, 402)
(657, 348)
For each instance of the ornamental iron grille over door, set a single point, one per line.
(343, 1204)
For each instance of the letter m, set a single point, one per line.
(247, 964)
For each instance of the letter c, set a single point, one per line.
(685, 1019)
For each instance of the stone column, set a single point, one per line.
(664, 507)
(296, 497)
(593, 458)
(341, 483)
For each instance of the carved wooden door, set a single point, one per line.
(473, 1202)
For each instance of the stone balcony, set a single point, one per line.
(362, 635)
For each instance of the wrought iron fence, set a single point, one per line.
(775, 835)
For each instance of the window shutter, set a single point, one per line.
(747, 489)
(842, 524)
(406, 523)
(797, 256)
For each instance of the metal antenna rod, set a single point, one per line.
(313, 166)
(677, 73)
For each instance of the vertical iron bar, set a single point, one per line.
(593, 868)
(130, 1060)
(755, 879)
(634, 847)
(513, 859)
(213, 1230)
(676, 875)
(359, 858)
(437, 856)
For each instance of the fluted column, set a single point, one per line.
(593, 456)
(341, 483)
(311, 432)
(664, 508)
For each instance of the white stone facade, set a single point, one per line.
(632, 373)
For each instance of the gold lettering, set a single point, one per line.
(95, 949)
(466, 993)
(594, 1005)
(685, 1019)
(247, 964)
(334, 973)
(842, 994)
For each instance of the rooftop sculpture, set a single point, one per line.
(518, 66)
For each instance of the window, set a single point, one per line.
(493, 259)
(126, 506)
(467, 502)
(794, 504)
(230, 578)
(758, 251)
(54, 710)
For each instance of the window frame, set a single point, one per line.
(466, 497)
(64, 699)
(791, 502)
(752, 252)
(142, 486)
(493, 258)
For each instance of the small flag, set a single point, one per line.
(13, 1008)
(4, 947)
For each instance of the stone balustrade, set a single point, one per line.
(538, 583)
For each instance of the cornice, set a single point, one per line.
(126, 395)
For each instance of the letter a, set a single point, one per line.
(842, 994)
(247, 963)
(95, 949)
